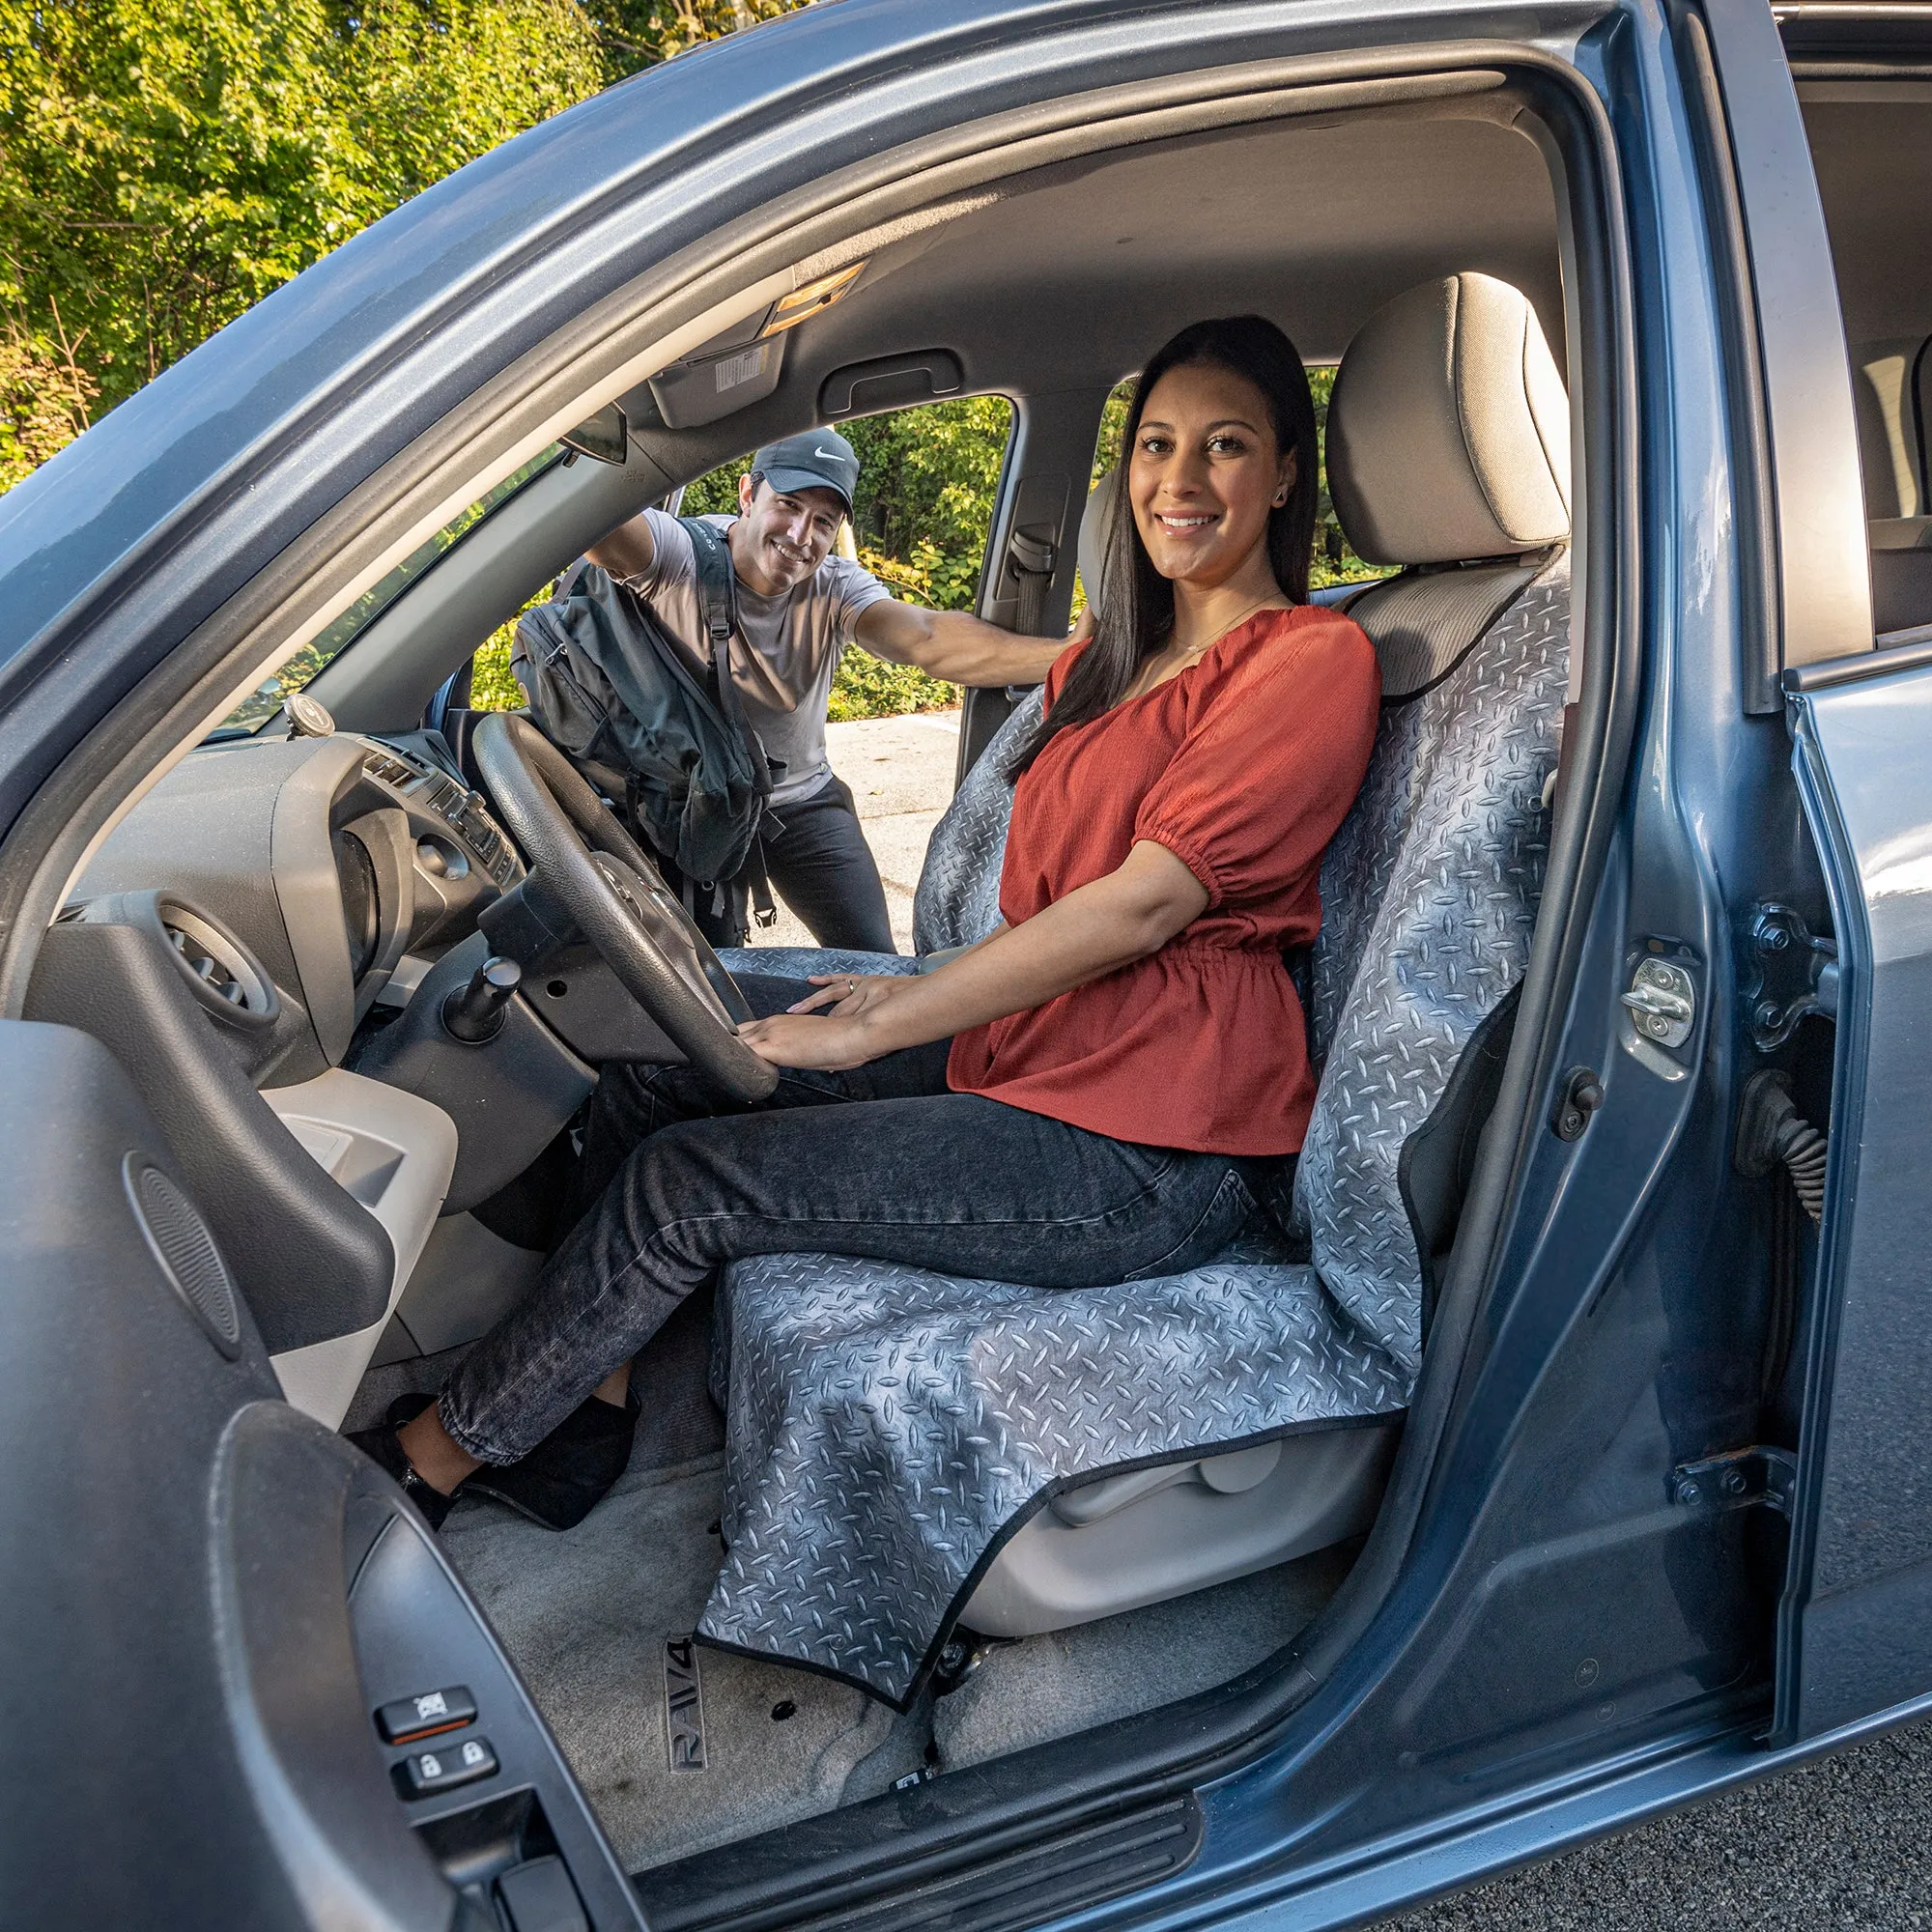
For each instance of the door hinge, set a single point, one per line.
(1663, 1000)
(1737, 1479)
(1790, 972)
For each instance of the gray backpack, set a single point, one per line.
(646, 724)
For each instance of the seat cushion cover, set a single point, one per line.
(888, 1427)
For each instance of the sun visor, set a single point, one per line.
(704, 389)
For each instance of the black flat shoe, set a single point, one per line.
(382, 1447)
(571, 1470)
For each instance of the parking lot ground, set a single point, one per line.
(1842, 1845)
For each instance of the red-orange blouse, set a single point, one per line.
(1242, 766)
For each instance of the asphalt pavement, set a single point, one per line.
(1843, 1845)
(1838, 1846)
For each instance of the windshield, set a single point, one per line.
(301, 665)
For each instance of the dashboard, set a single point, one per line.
(284, 943)
(250, 943)
(339, 862)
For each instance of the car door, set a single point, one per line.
(1855, 1622)
(200, 1585)
(1856, 1628)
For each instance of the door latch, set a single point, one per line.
(1737, 1479)
(1663, 1000)
(1792, 972)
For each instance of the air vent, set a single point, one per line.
(391, 771)
(223, 976)
(181, 1243)
(206, 967)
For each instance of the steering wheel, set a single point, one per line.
(617, 899)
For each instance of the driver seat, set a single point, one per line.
(907, 1451)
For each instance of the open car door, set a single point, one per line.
(1855, 1632)
(205, 1593)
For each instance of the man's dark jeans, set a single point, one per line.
(881, 1161)
(819, 863)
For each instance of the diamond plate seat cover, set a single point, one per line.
(958, 903)
(888, 1428)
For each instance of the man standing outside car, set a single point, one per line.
(798, 607)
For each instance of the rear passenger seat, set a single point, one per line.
(1892, 383)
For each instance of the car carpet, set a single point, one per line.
(1040, 1687)
(586, 1615)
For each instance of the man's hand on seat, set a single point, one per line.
(959, 648)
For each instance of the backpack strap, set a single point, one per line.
(717, 598)
(718, 603)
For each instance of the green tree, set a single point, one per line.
(167, 163)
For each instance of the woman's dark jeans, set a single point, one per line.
(881, 1161)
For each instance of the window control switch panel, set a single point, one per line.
(425, 1715)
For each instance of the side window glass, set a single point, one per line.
(926, 481)
(492, 688)
(296, 671)
(1334, 561)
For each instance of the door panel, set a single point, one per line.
(201, 1588)
(1856, 1630)
(128, 1801)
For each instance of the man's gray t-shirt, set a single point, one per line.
(786, 649)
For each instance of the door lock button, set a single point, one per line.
(408, 1718)
(444, 1767)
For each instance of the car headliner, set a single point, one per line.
(1073, 275)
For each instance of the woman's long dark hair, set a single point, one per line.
(1134, 603)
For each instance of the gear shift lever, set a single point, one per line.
(475, 1012)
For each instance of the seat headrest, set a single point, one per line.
(1449, 428)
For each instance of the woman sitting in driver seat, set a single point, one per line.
(1092, 1093)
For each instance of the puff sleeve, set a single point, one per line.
(1271, 761)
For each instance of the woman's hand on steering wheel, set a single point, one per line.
(809, 1041)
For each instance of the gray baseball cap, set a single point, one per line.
(821, 459)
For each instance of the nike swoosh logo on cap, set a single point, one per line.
(830, 455)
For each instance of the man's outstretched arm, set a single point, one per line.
(959, 648)
(628, 551)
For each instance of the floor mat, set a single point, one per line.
(1050, 1687)
(586, 1615)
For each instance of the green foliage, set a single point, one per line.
(492, 688)
(867, 687)
(1334, 561)
(167, 163)
(636, 34)
(926, 479)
